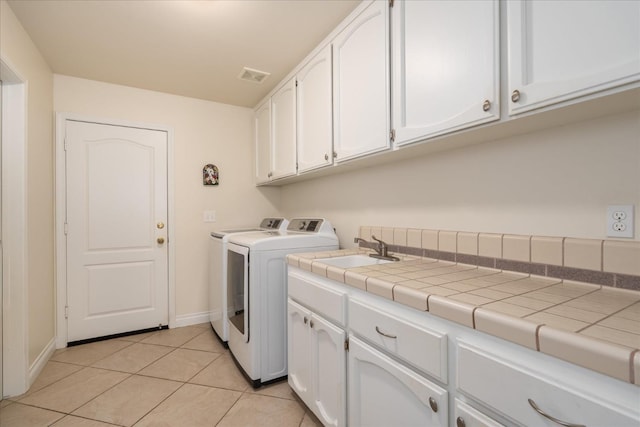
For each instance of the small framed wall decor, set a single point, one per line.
(210, 175)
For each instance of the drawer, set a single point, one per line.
(466, 416)
(511, 389)
(423, 348)
(323, 299)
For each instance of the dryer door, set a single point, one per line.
(238, 289)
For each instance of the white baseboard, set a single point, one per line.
(191, 319)
(41, 360)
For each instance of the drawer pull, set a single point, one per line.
(460, 422)
(385, 335)
(555, 420)
(433, 404)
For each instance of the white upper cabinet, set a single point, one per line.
(283, 119)
(315, 127)
(361, 84)
(445, 66)
(262, 124)
(559, 50)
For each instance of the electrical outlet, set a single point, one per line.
(209, 216)
(619, 226)
(620, 221)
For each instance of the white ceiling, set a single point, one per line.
(194, 48)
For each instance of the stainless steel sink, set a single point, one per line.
(352, 261)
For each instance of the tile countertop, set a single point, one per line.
(597, 327)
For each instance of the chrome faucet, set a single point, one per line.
(381, 249)
(359, 240)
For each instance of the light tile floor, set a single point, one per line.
(178, 377)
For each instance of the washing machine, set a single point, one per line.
(218, 271)
(257, 293)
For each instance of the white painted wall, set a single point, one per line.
(20, 53)
(204, 132)
(555, 182)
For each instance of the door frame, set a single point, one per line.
(61, 204)
(15, 348)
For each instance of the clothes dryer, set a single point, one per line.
(218, 272)
(257, 293)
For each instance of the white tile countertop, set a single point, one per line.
(594, 326)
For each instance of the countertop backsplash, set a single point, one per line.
(613, 263)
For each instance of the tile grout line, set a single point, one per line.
(159, 403)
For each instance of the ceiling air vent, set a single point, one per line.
(251, 75)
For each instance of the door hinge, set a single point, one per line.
(296, 82)
(66, 311)
(392, 135)
(391, 3)
(66, 228)
(346, 344)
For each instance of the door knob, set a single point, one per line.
(160, 240)
(160, 225)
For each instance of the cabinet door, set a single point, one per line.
(328, 372)
(560, 50)
(283, 118)
(382, 392)
(445, 66)
(315, 126)
(361, 84)
(262, 124)
(466, 416)
(299, 351)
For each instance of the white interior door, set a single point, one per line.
(117, 257)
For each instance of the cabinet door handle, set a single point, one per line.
(486, 106)
(385, 335)
(311, 323)
(515, 95)
(305, 320)
(460, 422)
(433, 404)
(549, 417)
(326, 157)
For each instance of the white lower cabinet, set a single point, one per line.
(299, 350)
(406, 368)
(383, 392)
(530, 398)
(317, 364)
(466, 416)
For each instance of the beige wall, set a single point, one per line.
(19, 52)
(204, 132)
(554, 182)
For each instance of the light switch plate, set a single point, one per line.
(209, 216)
(620, 221)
